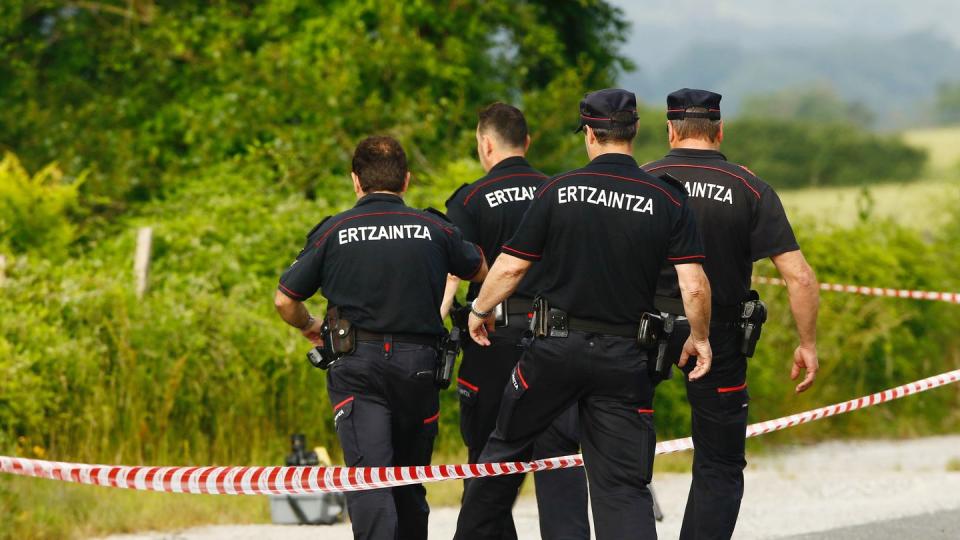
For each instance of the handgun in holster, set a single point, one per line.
(450, 346)
(654, 335)
(339, 340)
(753, 316)
(663, 366)
(548, 321)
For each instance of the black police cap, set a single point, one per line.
(686, 98)
(607, 109)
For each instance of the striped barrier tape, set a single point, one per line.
(302, 480)
(949, 297)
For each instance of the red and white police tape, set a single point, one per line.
(294, 480)
(949, 297)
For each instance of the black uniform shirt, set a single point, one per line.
(489, 211)
(602, 234)
(384, 264)
(741, 220)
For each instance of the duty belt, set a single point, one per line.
(599, 327)
(416, 339)
(518, 305)
(719, 314)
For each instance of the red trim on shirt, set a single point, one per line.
(727, 389)
(497, 179)
(686, 257)
(742, 179)
(432, 419)
(340, 405)
(524, 253)
(470, 386)
(635, 180)
(645, 411)
(443, 227)
(287, 290)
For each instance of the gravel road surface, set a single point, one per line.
(842, 490)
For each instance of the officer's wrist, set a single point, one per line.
(308, 324)
(477, 312)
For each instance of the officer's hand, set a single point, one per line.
(313, 333)
(700, 349)
(805, 358)
(479, 329)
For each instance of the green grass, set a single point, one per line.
(921, 205)
(953, 465)
(943, 145)
(47, 509)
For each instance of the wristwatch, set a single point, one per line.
(477, 312)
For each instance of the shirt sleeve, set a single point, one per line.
(303, 278)
(463, 218)
(685, 243)
(771, 233)
(465, 258)
(531, 236)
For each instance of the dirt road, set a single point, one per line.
(797, 491)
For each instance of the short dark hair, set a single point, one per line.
(623, 133)
(506, 121)
(697, 128)
(381, 164)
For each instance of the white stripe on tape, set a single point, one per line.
(290, 480)
(949, 297)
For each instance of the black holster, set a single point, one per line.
(752, 317)
(339, 340)
(662, 368)
(450, 347)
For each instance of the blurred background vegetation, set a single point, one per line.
(228, 127)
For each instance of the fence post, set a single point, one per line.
(141, 259)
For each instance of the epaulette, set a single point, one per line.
(317, 226)
(673, 181)
(455, 193)
(437, 213)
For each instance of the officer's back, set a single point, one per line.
(608, 221)
(382, 267)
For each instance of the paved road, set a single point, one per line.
(936, 526)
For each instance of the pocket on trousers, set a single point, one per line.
(344, 424)
(516, 388)
(469, 394)
(648, 445)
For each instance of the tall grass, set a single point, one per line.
(201, 371)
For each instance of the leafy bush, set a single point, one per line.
(35, 210)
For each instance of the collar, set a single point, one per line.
(614, 158)
(696, 153)
(512, 161)
(379, 197)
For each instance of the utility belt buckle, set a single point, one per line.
(752, 316)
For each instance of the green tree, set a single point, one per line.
(947, 108)
(819, 103)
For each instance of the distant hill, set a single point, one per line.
(890, 60)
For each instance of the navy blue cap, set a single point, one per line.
(607, 109)
(687, 98)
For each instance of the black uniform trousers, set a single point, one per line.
(386, 408)
(718, 414)
(606, 378)
(561, 493)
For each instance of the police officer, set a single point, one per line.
(741, 220)
(383, 266)
(602, 233)
(488, 211)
